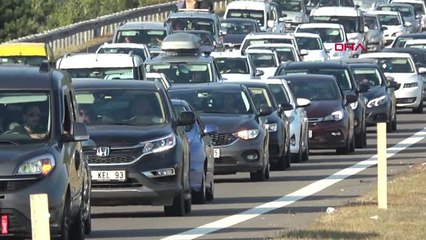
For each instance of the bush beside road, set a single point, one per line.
(404, 218)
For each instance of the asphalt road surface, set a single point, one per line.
(289, 200)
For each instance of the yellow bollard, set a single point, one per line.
(382, 187)
(39, 217)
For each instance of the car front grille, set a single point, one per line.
(129, 183)
(15, 185)
(117, 156)
(222, 138)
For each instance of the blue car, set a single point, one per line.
(201, 155)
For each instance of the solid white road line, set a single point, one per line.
(304, 192)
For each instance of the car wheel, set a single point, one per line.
(352, 146)
(210, 191)
(361, 138)
(87, 211)
(258, 176)
(419, 109)
(394, 124)
(199, 197)
(188, 205)
(297, 157)
(65, 228)
(178, 206)
(268, 171)
(306, 153)
(77, 227)
(346, 149)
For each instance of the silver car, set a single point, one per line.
(408, 14)
(375, 34)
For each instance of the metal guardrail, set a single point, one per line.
(79, 33)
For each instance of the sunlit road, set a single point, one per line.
(236, 194)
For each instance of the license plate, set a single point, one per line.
(106, 176)
(216, 153)
(310, 133)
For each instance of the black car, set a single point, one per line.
(380, 97)
(400, 41)
(142, 154)
(241, 142)
(347, 83)
(277, 123)
(41, 152)
(234, 30)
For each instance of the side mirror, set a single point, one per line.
(407, 24)
(304, 52)
(393, 84)
(284, 107)
(303, 102)
(78, 133)
(422, 70)
(350, 98)
(384, 28)
(265, 110)
(271, 23)
(186, 118)
(210, 128)
(357, 6)
(222, 32)
(366, 29)
(88, 145)
(259, 73)
(364, 88)
(281, 19)
(390, 79)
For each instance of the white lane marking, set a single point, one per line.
(304, 192)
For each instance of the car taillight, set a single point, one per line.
(4, 225)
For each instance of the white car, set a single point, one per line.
(415, 43)
(140, 50)
(102, 65)
(286, 52)
(313, 45)
(401, 67)
(265, 60)
(232, 65)
(420, 7)
(265, 38)
(394, 23)
(333, 36)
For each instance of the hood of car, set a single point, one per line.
(392, 29)
(120, 136)
(315, 55)
(234, 38)
(403, 77)
(375, 92)
(319, 109)
(291, 16)
(12, 156)
(236, 76)
(230, 123)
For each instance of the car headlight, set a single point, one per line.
(396, 34)
(410, 85)
(160, 145)
(272, 127)
(373, 39)
(354, 105)
(375, 102)
(334, 116)
(247, 134)
(298, 19)
(41, 165)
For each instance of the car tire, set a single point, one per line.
(419, 109)
(352, 146)
(178, 206)
(65, 228)
(210, 191)
(268, 171)
(297, 157)
(88, 220)
(394, 124)
(188, 205)
(361, 138)
(306, 153)
(199, 197)
(77, 227)
(346, 149)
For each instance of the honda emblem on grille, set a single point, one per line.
(102, 151)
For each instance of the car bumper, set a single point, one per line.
(140, 186)
(291, 26)
(234, 157)
(328, 135)
(15, 203)
(409, 97)
(372, 47)
(377, 114)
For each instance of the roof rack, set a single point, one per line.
(181, 43)
(196, 10)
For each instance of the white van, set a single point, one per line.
(352, 20)
(265, 13)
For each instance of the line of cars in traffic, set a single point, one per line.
(223, 96)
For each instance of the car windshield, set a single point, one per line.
(261, 41)
(405, 11)
(284, 53)
(368, 76)
(279, 93)
(232, 65)
(152, 38)
(220, 101)
(262, 60)
(371, 22)
(237, 27)
(183, 72)
(333, 3)
(400, 41)
(136, 51)
(182, 24)
(328, 35)
(260, 97)
(396, 65)
(104, 73)
(25, 117)
(342, 75)
(350, 24)
(315, 90)
(290, 5)
(257, 15)
(308, 43)
(389, 20)
(417, 6)
(120, 107)
(25, 60)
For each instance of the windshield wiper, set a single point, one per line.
(5, 141)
